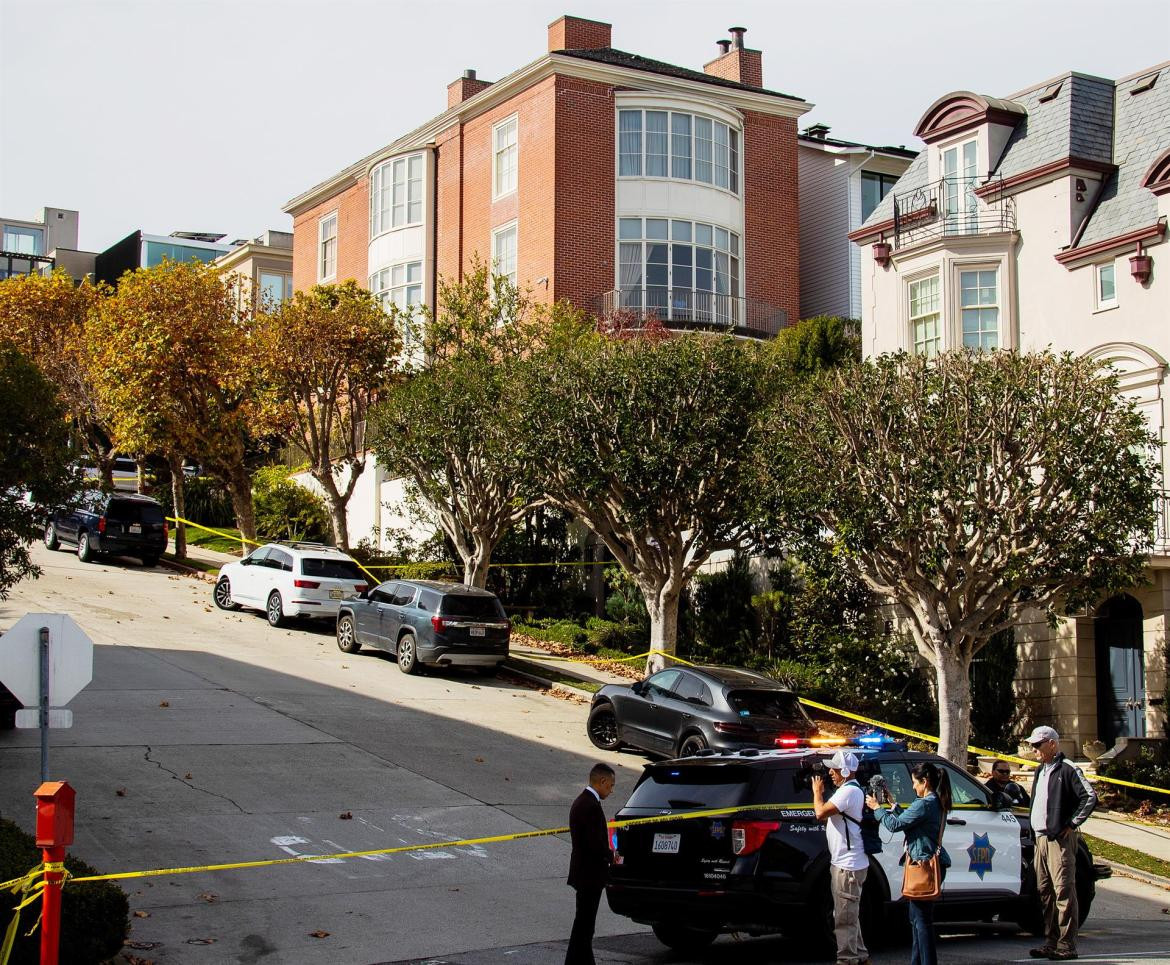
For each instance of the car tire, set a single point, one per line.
(347, 641)
(84, 548)
(408, 654)
(51, 540)
(222, 594)
(275, 609)
(603, 729)
(681, 938)
(691, 744)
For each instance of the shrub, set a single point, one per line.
(206, 501)
(726, 625)
(1151, 766)
(625, 604)
(95, 916)
(286, 510)
(607, 635)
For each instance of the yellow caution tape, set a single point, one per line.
(28, 889)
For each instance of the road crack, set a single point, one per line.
(182, 780)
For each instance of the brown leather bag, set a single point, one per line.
(922, 880)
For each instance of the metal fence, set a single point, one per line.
(950, 206)
(688, 309)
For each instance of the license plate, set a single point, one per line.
(337, 594)
(666, 843)
(135, 528)
(479, 631)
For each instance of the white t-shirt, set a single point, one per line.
(848, 799)
(1040, 801)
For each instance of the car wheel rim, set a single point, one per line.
(83, 546)
(345, 633)
(690, 746)
(274, 609)
(406, 653)
(223, 593)
(49, 534)
(605, 728)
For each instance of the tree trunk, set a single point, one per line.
(952, 674)
(338, 518)
(179, 499)
(105, 466)
(597, 575)
(663, 609)
(141, 477)
(476, 565)
(239, 487)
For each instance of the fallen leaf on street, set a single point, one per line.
(200, 941)
(135, 960)
(479, 760)
(142, 914)
(208, 896)
(142, 946)
(164, 703)
(345, 816)
(121, 792)
(187, 777)
(318, 934)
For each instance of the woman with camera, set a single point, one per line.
(923, 823)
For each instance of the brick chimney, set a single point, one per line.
(736, 62)
(576, 33)
(466, 86)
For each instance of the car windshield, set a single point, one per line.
(332, 569)
(773, 704)
(678, 787)
(132, 511)
(472, 607)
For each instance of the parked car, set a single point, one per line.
(117, 524)
(683, 710)
(293, 579)
(765, 871)
(423, 622)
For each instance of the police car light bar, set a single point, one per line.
(872, 741)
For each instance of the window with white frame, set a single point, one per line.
(327, 247)
(686, 270)
(504, 251)
(396, 194)
(1105, 284)
(19, 239)
(275, 287)
(398, 285)
(925, 316)
(504, 157)
(979, 308)
(678, 145)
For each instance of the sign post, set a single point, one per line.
(43, 703)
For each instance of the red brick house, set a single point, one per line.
(590, 174)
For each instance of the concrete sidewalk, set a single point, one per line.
(1147, 838)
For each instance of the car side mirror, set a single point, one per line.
(638, 688)
(1000, 801)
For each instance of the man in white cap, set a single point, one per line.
(848, 861)
(1062, 801)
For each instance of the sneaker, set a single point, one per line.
(1044, 951)
(1062, 956)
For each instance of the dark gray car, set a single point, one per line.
(118, 524)
(423, 622)
(681, 711)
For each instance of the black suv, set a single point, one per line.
(120, 524)
(426, 622)
(764, 871)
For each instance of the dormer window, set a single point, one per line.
(960, 167)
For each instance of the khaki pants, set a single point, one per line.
(1056, 883)
(847, 887)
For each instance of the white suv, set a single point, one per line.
(290, 580)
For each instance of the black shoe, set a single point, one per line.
(1059, 956)
(1044, 951)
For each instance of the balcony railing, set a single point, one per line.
(950, 206)
(1161, 545)
(689, 310)
(13, 263)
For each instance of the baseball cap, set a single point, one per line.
(1042, 734)
(844, 761)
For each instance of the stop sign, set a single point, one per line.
(70, 658)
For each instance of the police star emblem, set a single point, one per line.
(981, 852)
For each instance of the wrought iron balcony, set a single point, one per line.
(688, 310)
(1161, 545)
(950, 206)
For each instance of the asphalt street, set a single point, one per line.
(209, 737)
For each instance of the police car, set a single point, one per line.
(767, 870)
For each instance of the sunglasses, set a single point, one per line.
(1003, 771)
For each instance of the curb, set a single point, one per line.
(1125, 871)
(522, 671)
(185, 570)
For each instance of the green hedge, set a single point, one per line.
(95, 917)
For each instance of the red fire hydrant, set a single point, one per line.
(55, 800)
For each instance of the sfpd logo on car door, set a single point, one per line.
(981, 852)
(718, 830)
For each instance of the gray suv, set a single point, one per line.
(423, 622)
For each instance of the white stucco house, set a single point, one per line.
(1037, 220)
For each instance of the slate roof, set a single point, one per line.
(1090, 118)
(620, 58)
(1141, 133)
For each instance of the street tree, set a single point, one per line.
(327, 354)
(969, 488)
(172, 355)
(447, 428)
(651, 443)
(35, 461)
(45, 317)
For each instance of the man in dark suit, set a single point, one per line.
(590, 860)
